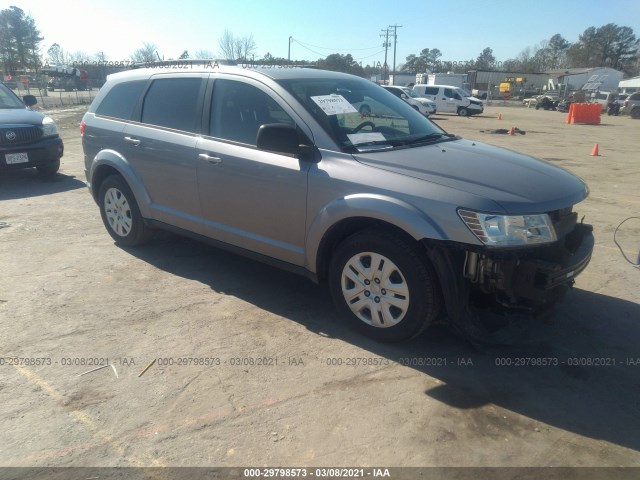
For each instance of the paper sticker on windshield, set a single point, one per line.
(334, 104)
(360, 138)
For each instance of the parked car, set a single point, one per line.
(546, 102)
(423, 105)
(27, 138)
(621, 98)
(450, 99)
(402, 220)
(632, 105)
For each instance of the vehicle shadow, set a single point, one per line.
(27, 183)
(590, 384)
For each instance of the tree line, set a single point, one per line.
(607, 46)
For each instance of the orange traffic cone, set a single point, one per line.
(594, 152)
(512, 131)
(499, 116)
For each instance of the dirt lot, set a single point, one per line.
(244, 375)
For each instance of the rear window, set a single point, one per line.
(121, 100)
(173, 103)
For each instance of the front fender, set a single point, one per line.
(372, 206)
(113, 160)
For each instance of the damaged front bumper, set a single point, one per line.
(527, 280)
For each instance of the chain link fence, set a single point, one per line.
(55, 99)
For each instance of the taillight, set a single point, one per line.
(626, 103)
(83, 126)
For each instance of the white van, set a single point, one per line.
(450, 99)
(423, 105)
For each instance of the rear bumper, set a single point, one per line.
(43, 152)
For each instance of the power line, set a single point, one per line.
(324, 55)
(369, 56)
(313, 51)
(334, 49)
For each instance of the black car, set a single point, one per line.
(27, 138)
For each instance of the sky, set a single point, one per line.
(460, 29)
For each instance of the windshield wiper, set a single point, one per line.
(429, 136)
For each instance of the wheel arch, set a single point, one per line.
(109, 162)
(346, 216)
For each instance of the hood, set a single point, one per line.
(425, 101)
(518, 183)
(19, 116)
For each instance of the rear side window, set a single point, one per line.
(430, 90)
(238, 110)
(121, 100)
(173, 103)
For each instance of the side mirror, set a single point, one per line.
(403, 96)
(29, 100)
(276, 137)
(280, 138)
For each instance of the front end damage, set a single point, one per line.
(510, 282)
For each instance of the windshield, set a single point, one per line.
(410, 92)
(8, 99)
(362, 116)
(462, 92)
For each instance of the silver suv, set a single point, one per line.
(632, 105)
(402, 220)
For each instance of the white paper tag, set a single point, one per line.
(334, 104)
(357, 138)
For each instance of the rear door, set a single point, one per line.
(251, 198)
(161, 147)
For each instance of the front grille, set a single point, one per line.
(19, 135)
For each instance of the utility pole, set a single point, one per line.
(395, 40)
(385, 67)
(289, 54)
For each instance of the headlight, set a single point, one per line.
(509, 230)
(49, 128)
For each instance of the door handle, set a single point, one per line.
(210, 159)
(133, 141)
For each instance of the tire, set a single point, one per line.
(416, 300)
(635, 113)
(120, 213)
(49, 169)
(463, 112)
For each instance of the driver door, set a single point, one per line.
(250, 198)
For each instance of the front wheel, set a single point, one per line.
(120, 213)
(463, 112)
(383, 285)
(635, 113)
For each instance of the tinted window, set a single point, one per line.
(431, 90)
(121, 100)
(8, 99)
(448, 93)
(173, 103)
(238, 110)
(395, 91)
